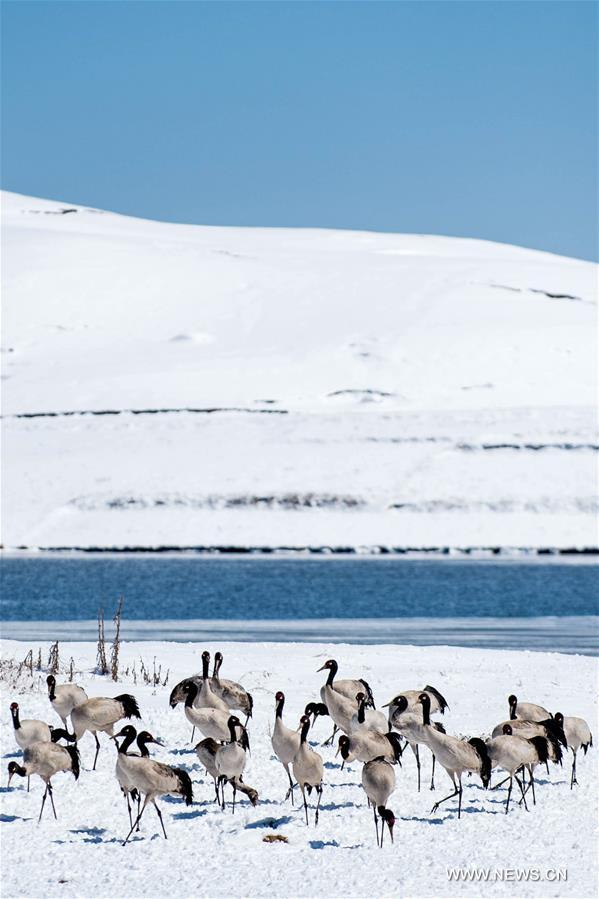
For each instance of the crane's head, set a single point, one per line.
(388, 818)
(507, 730)
(13, 769)
(330, 663)
(280, 697)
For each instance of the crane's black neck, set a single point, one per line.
(280, 704)
(192, 692)
(232, 731)
(52, 690)
(361, 711)
(141, 744)
(205, 664)
(332, 673)
(304, 733)
(218, 660)
(127, 741)
(15, 718)
(426, 713)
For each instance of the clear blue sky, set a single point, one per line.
(462, 118)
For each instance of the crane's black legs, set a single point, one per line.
(522, 790)
(376, 824)
(193, 730)
(154, 803)
(136, 824)
(573, 778)
(332, 737)
(97, 750)
(433, 773)
(319, 791)
(291, 787)
(456, 792)
(509, 793)
(417, 754)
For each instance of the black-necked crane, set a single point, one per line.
(340, 706)
(578, 735)
(367, 719)
(365, 745)
(438, 703)
(64, 698)
(230, 759)
(29, 731)
(46, 759)
(527, 711)
(550, 729)
(100, 714)
(207, 698)
(406, 719)
(348, 688)
(511, 753)
(454, 755)
(285, 742)
(233, 694)
(129, 734)
(211, 722)
(378, 780)
(206, 752)
(308, 768)
(153, 779)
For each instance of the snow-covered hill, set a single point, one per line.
(276, 387)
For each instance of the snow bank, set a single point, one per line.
(267, 387)
(211, 853)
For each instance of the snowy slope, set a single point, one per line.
(211, 853)
(395, 390)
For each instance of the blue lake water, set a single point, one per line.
(530, 604)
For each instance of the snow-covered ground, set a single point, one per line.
(379, 389)
(211, 853)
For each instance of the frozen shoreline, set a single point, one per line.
(209, 853)
(564, 634)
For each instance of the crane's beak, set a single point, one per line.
(158, 742)
(391, 831)
(322, 668)
(9, 779)
(386, 705)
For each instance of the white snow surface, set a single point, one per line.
(214, 853)
(437, 391)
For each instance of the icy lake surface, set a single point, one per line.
(506, 604)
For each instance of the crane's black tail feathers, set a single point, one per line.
(59, 733)
(395, 741)
(541, 744)
(585, 746)
(440, 699)
(555, 730)
(485, 761)
(129, 704)
(369, 694)
(250, 705)
(439, 727)
(185, 785)
(75, 759)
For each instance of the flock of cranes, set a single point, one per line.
(532, 736)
